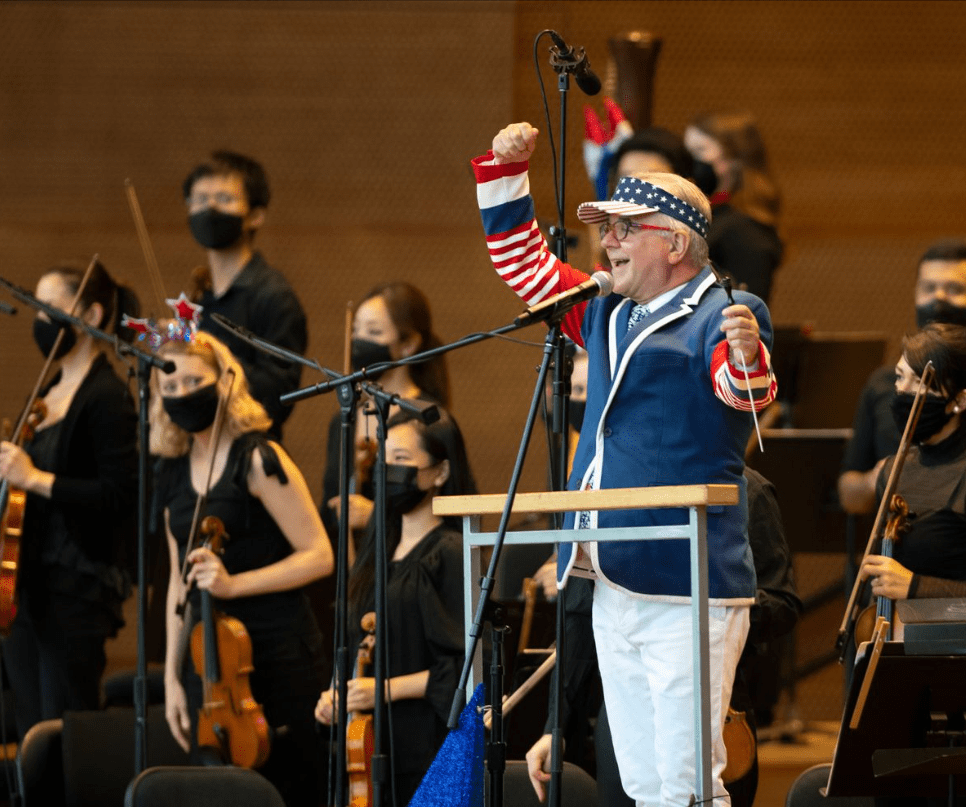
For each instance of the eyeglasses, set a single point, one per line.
(622, 228)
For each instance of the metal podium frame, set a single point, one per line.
(695, 498)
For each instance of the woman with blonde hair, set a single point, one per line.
(277, 545)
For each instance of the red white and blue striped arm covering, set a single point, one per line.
(517, 247)
(732, 388)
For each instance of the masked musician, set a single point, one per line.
(392, 322)
(227, 199)
(276, 545)
(425, 596)
(80, 474)
(930, 559)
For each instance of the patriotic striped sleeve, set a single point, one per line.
(517, 247)
(732, 388)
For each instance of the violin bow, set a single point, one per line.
(148, 251)
(212, 453)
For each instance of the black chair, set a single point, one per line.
(40, 771)
(118, 688)
(578, 788)
(808, 791)
(190, 786)
(87, 758)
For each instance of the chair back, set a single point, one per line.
(578, 788)
(190, 786)
(808, 790)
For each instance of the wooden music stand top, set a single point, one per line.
(562, 501)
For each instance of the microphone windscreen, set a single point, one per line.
(605, 280)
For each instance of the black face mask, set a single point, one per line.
(932, 417)
(364, 353)
(939, 311)
(214, 229)
(704, 176)
(577, 409)
(403, 493)
(45, 334)
(194, 412)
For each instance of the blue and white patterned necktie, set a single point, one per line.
(638, 312)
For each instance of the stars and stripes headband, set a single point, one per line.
(635, 197)
(180, 329)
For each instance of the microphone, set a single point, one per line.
(599, 284)
(564, 56)
(6, 308)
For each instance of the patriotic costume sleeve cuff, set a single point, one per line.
(486, 170)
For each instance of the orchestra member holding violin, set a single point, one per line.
(929, 560)
(275, 544)
(425, 596)
(79, 472)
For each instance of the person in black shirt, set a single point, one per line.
(80, 474)
(424, 592)
(276, 546)
(227, 199)
(731, 167)
(940, 296)
(929, 559)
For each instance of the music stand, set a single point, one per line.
(911, 715)
(804, 466)
(809, 364)
(695, 499)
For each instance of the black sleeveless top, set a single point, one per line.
(254, 539)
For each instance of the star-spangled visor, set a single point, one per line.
(635, 197)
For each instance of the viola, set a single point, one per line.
(13, 501)
(359, 740)
(229, 720)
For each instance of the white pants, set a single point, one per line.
(644, 650)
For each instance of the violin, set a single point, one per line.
(740, 743)
(13, 500)
(897, 525)
(359, 740)
(229, 720)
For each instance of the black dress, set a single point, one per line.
(425, 632)
(73, 574)
(286, 643)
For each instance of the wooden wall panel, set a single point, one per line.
(366, 114)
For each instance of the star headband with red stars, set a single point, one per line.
(180, 329)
